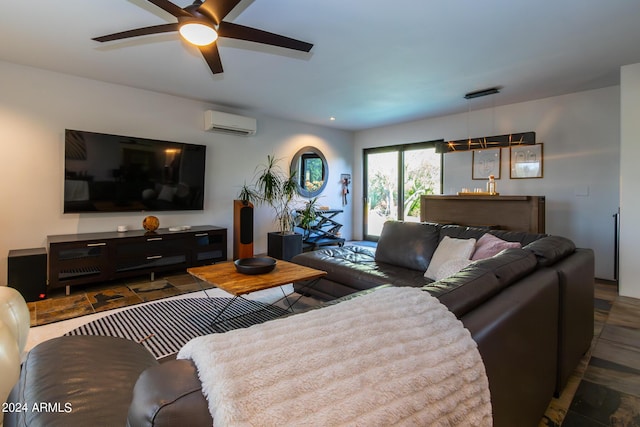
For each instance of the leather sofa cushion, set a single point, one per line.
(551, 249)
(333, 260)
(168, 395)
(465, 290)
(408, 244)
(509, 265)
(357, 268)
(92, 375)
(481, 280)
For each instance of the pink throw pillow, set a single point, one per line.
(489, 245)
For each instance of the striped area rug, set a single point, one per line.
(163, 327)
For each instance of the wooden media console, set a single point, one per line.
(76, 259)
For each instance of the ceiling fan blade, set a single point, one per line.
(173, 9)
(212, 56)
(154, 29)
(235, 31)
(217, 9)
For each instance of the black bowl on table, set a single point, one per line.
(256, 265)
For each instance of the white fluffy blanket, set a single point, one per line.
(393, 357)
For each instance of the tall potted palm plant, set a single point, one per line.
(276, 188)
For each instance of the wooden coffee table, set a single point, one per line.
(224, 276)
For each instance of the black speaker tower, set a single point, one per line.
(242, 229)
(27, 272)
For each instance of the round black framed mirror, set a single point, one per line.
(312, 171)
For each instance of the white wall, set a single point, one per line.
(629, 180)
(580, 132)
(581, 136)
(36, 106)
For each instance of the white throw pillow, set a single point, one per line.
(451, 267)
(449, 248)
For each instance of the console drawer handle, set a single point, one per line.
(153, 239)
(154, 257)
(96, 244)
(202, 234)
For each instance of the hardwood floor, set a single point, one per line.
(603, 391)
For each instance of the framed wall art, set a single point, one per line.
(486, 162)
(526, 161)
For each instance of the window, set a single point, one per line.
(395, 178)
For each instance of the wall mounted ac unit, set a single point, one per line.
(229, 123)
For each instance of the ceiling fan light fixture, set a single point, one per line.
(197, 32)
(199, 23)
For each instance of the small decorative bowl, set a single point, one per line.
(255, 265)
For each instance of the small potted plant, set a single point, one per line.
(248, 195)
(306, 217)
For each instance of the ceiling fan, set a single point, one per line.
(201, 23)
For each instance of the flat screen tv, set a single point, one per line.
(112, 173)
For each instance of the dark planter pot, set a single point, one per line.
(284, 246)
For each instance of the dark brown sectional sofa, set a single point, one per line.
(530, 310)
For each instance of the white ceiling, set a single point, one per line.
(373, 62)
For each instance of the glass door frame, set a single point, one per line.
(401, 149)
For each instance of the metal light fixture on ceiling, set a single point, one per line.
(521, 138)
(483, 92)
(507, 140)
(472, 95)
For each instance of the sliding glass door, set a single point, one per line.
(395, 178)
(381, 190)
